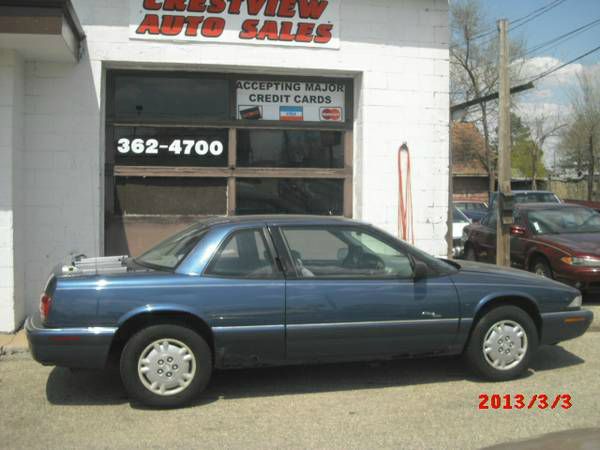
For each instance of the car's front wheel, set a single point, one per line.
(165, 365)
(541, 267)
(501, 343)
(470, 253)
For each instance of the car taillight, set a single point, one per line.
(45, 306)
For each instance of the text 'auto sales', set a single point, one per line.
(311, 22)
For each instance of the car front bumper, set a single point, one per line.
(561, 326)
(69, 347)
(586, 279)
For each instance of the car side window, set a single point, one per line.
(243, 255)
(343, 252)
(518, 218)
(491, 220)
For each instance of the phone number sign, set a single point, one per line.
(142, 146)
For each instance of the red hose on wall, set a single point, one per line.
(405, 204)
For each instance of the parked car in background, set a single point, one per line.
(559, 241)
(528, 197)
(590, 204)
(251, 291)
(459, 222)
(475, 211)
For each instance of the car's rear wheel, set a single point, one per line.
(541, 267)
(165, 365)
(501, 343)
(470, 253)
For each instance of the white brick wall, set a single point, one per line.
(396, 50)
(62, 199)
(11, 150)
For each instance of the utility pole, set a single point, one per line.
(504, 150)
(592, 167)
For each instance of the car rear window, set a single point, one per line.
(169, 253)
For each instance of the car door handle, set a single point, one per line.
(431, 314)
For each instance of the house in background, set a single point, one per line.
(469, 173)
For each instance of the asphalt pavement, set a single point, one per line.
(429, 403)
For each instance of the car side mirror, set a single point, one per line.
(420, 270)
(517, 230)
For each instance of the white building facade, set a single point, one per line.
(128, 120)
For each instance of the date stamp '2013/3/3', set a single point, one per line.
(523, 401)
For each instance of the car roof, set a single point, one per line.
(276, 219)
(525, 191)
(547, 205)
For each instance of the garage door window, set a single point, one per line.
(180, 147)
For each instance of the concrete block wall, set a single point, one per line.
(62, 200)
(12, 78)
(396, 51)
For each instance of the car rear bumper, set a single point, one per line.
(69, 347)
(562, 326)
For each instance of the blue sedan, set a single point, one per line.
(273, 290)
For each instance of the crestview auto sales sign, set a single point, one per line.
(313, 23)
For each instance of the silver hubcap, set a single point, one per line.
(539, 270)
(166, 367)
(505, 345)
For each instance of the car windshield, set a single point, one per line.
(536, 197)
(531, 197)
(458, 216)
(169, 253)
(565, 220)
(472, 206)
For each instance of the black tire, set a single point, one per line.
(176, 335)
(541, 267)
(476, 356)
(470, 253)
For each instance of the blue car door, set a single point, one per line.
(247, 290)
(353, 296)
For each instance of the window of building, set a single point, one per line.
(183, 145)
(289, 196)
(290, 148)
(159, 96)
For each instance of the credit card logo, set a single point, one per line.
(331, 114)
(251, 112)
(291, 113)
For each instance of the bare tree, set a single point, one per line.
(543, 126)
(474, 69)
(580, 142)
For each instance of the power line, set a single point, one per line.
(563, 38)
(535, 14)
(524, 19)
(528, 18)
(554, 69)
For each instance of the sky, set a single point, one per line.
(551, 94)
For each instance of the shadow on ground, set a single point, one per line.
(66, 387)
(591, 299)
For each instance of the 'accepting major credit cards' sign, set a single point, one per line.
(313, 23)
(304, 101)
